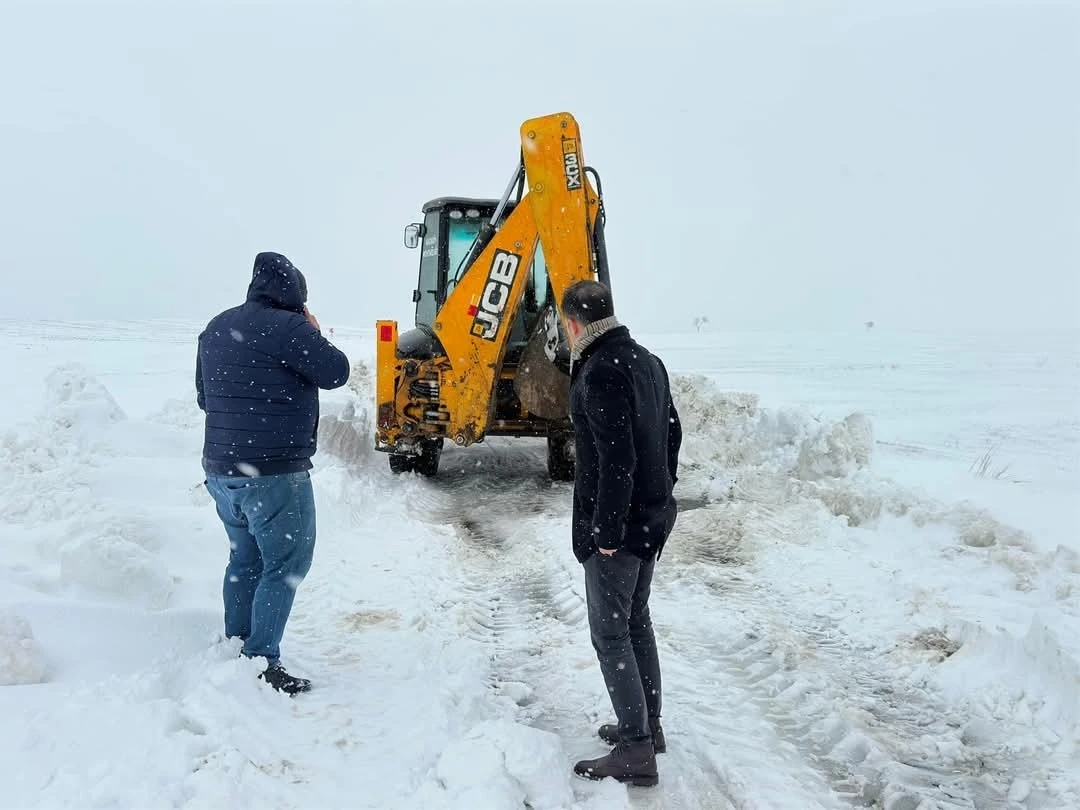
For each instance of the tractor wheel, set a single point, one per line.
(560, 456)
(426, 464)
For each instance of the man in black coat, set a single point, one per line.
(258, 373)
(627, 436)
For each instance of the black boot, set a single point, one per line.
(633, 762)
(282, 681)
(609, 733)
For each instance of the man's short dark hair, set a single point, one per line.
(587, 302)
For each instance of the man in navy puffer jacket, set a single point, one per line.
(258, 373)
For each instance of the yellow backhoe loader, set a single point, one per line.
(488, 355)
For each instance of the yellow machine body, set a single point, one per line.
(484, 365)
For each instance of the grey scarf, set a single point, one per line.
(593, 331)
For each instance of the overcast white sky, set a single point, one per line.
(768, 164)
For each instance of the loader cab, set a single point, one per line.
(445, 237)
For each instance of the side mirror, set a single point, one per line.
(413, 234)
(416, 296)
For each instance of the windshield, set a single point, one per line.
(460, 237)
(461, 234)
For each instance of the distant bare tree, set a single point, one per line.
(700, 322)
(869, 324)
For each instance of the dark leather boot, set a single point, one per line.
(609, 733)
(282, 681)
(633, 762)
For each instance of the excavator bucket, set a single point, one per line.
(541, 385)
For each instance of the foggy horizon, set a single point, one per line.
(777, 168)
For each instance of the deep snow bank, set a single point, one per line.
(735, 450)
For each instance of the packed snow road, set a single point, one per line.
(847, 615)
(768, 701)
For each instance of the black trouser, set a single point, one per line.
(617, 594)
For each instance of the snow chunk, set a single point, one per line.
(50, 459)
(77, 403)
(360, 380)
(504, 764)
(179, 413)
(347, 434)
(838, 451)
(978, 529)
(117, 558)
(21, 660)
(1031, 681)
(78, 411)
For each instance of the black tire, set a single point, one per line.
(427, 463)
(560, 456)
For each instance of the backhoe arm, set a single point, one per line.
(559, 210)
(453, 393)
(563, 202)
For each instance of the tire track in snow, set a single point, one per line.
(498, 506)
(521, 604)
(513, 600)
(875, 742)
(707, 721)
(765, 712)
(528, 607)
(390, 667)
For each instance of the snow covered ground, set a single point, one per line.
(871, 599)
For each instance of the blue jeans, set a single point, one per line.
(270, 521)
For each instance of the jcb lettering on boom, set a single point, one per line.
(496, 295)
(571, 164)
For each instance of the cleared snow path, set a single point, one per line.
(768, 701)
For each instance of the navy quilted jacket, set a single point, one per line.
(258, 373)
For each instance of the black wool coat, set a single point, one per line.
(627, 436)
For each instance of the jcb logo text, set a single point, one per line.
(489, 312)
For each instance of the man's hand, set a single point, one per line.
(607, 552)
(312, 320)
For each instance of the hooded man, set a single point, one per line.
(627, 437)
(258, 373)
